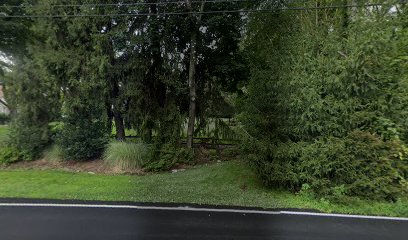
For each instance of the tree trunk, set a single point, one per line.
(117, 115)
(114, 94)
(193, 94)
(116, 112)
(120, 128)
(109, 116)
(191, 76)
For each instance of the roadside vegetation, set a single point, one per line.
(53, 154)
(127, 156)
(4, 129)
(328, 114)
(315, 102)
(227, 183)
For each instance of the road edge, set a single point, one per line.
(29, 202)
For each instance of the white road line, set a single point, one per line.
(194, 209)
(137, 207)
(343, 215)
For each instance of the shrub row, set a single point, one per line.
(328, 114)
(361, 164)
(131, 156)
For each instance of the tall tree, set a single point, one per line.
(74, 58)
(192, 71)
(132, 70)
(324, 108)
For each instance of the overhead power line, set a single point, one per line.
(194, 12)
(129, 4)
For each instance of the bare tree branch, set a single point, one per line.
(5, 104)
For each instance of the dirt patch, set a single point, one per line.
(94, 166)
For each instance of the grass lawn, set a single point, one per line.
(227, 183)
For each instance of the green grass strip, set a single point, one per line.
(228, 183)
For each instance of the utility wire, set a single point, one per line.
(148, 3)
(131, 4)
(194, 12)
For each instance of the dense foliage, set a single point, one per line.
(83, 133)
(124, 71)
(326, 105)
(324, 111)
(4, 118)
(29, 127)
(166, 156)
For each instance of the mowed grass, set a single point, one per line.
(227, 183)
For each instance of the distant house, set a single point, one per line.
(3, 103)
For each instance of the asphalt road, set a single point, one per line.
(97, 222)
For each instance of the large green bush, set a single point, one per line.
(167, 156)
(361, 164)
(83, 134)
(326, 104)
(28, 138)
(34, 104)
(9, 155)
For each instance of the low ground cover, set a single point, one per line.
(225, 183)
